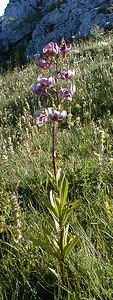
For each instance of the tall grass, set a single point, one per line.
(84, 151)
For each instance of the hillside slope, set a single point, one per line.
(84, 152)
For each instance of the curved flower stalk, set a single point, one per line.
(67, 93)
(65, 75)
(43, 63)
(46, 81)
(51, 49)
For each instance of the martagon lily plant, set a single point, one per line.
(52, 53)
(57, 243)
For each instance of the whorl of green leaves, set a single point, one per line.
(58, 242)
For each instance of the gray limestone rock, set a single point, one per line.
(32, 24)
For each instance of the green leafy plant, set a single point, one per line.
(59, 243)
(84, 152)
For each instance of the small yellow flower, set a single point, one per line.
(111, 160)
(107, 206)
(2, 223)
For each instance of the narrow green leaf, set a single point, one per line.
(53, 272)
(57, 254)
(68, 248)
(65, 215)
(47, 203)
(55, 244)
(49, 238)
(56, 224)
(59, 177)
(55, 203)
(65, 235)
(44, 245)
(57, 210)
(67, 210)
(51, 199)
(64, 191)
(57, 200)
(56, 249)
(52, 178)
(62, 185)
(54, 215)
(74, 204)
(52, 210)
(46, 231)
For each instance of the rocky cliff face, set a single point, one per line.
(31, 24)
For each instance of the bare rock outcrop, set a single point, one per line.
(31, 24)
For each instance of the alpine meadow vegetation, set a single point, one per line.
(56, 173)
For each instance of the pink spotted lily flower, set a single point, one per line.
(39, 118)
(51, 115)
(67, 93)
(43, 63)
(46, 81)
(38, 89)
(55, 115)
(51, 49)
(67, 74)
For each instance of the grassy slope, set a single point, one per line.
(84, 151)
